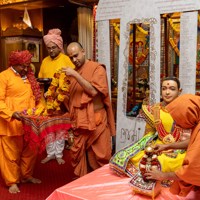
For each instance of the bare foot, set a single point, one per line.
(60, 161)
(13, 189)
(32, 180)
(47, 159)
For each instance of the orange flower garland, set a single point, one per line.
(57, 91)
(55, 95)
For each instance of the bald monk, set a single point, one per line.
(90, 111)
(19, 90)
(53, 62)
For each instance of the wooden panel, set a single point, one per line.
(21, 32)
(35, 4)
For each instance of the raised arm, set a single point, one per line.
(89, 89)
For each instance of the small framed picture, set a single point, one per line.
(34, 49)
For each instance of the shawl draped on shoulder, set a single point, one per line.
(81, 104)
(185, 110)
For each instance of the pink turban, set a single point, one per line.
(20, 58)
(54, 35)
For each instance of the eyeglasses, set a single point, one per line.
(52, 48)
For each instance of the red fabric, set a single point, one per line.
(36, 128)
(34, 85)
(20, 58)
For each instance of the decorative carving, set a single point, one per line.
(13, 31)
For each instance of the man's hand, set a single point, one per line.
(154, 174)
(69, 71)
(86, 85)
(158, 148)
(17, 116)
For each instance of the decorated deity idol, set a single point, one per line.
(160, 130)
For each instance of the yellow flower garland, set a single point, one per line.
(55, 95)
(57, 91)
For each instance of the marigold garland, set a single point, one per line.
(55, 95)
(34, 85)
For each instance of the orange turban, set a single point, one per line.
(54, 35)
(20, 58)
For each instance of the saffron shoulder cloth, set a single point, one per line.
(37, 128)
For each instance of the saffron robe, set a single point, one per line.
(185, 110)
(16, 158)
(93, 128)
